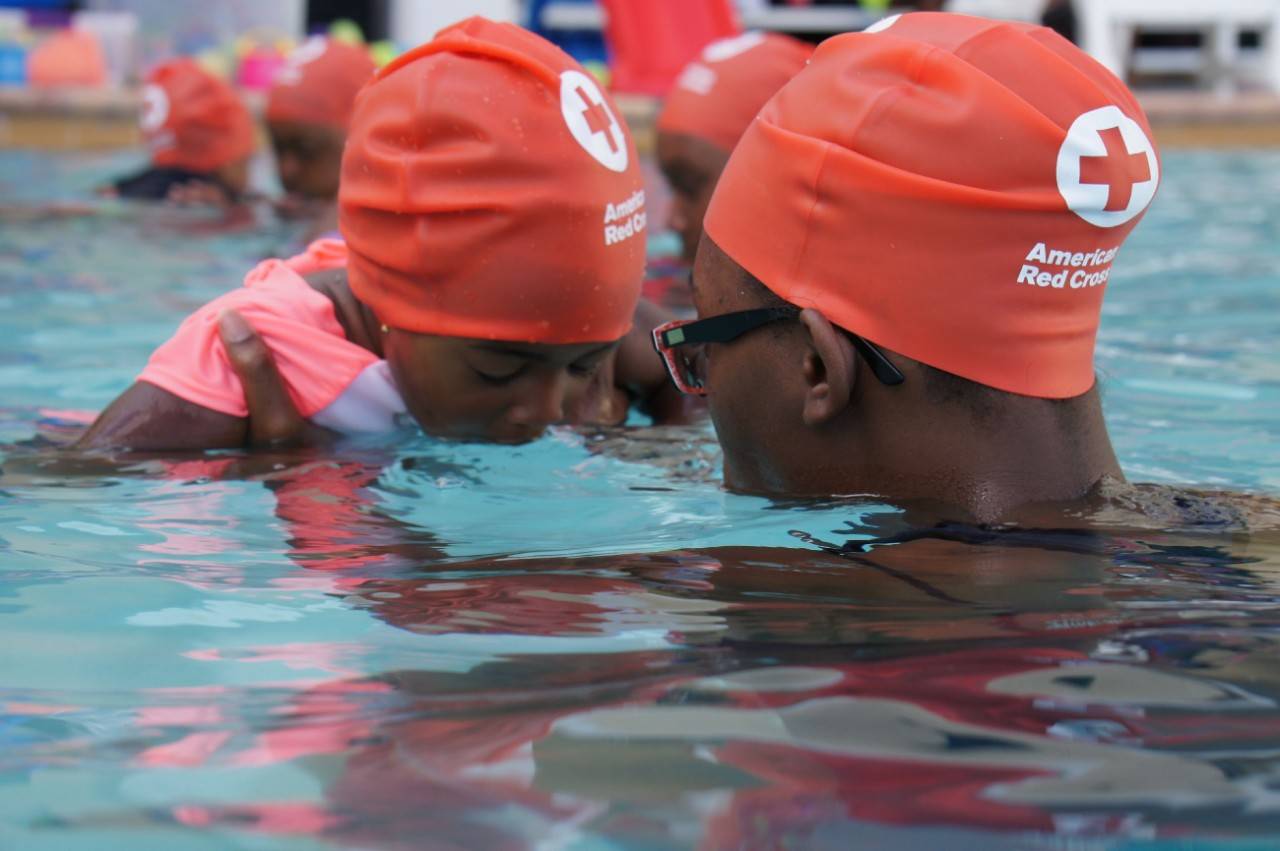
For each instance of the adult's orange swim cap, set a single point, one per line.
(717, 96)
(490, 190)
(193, 120)
(319, 83)
(952, 188)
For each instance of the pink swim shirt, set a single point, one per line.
(333, 382)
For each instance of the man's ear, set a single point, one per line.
(828, 369)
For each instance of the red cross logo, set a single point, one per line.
(155, 108)
(1118, 169)
(592, 123)
(1107, 168)
(598, 118)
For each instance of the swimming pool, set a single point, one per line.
(585, 643)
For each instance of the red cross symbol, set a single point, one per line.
(598, 119)
(1118, 169)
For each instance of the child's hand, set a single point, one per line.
(198, 193)
(274, 420)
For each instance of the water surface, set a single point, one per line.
(586, 643)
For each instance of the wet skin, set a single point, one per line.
(691, 166)
(505, 392)
(799, 413)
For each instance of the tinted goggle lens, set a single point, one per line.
(686, 362)
(691, 361)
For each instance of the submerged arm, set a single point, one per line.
(146, 418)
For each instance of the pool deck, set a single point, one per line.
(96, 120)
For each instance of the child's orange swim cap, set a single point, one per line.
(951, 188)
(319, 83)
(717, 96)
(193, 120)
(490, 190)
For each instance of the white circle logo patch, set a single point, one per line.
(309, 51)
(155, 108)
(727, 48)
(1107, 168)
(591, 121)
(883, 24)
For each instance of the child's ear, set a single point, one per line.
(828, 366)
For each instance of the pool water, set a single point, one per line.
(585, 643)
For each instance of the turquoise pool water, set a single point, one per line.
(585, 643)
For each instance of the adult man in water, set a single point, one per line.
(900, 283)
(922, 223)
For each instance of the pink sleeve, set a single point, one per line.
(319, 256)
(298, 325)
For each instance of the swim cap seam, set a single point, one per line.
(924, 179)
(1058, 128)
(794, 274)
(477, 50)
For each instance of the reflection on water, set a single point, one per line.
(586, 644)
(878, 679)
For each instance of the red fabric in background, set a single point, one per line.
(651, 42)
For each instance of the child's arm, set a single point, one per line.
(147, 418)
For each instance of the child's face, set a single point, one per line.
(308, 157)
(489, 389)
(692, 167)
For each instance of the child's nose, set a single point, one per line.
(543, 403)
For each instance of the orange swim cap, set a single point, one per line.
(490, 190)
(319, 83)
(68, 58)
(193, 120)
(717, 96)
(952, 188)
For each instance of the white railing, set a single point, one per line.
(1108, 26)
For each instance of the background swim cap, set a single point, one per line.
(193, 120)
(319, 82)
(490, 190)
(717, 96)
(68, 57)
(952, 188)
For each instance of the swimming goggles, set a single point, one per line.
(682, 345)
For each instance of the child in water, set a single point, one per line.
(712, 103)
(308, 112)
(483, 287)
(200, 135)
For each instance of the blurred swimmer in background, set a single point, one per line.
(714, 100)
(200, 136)
(309, 109)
